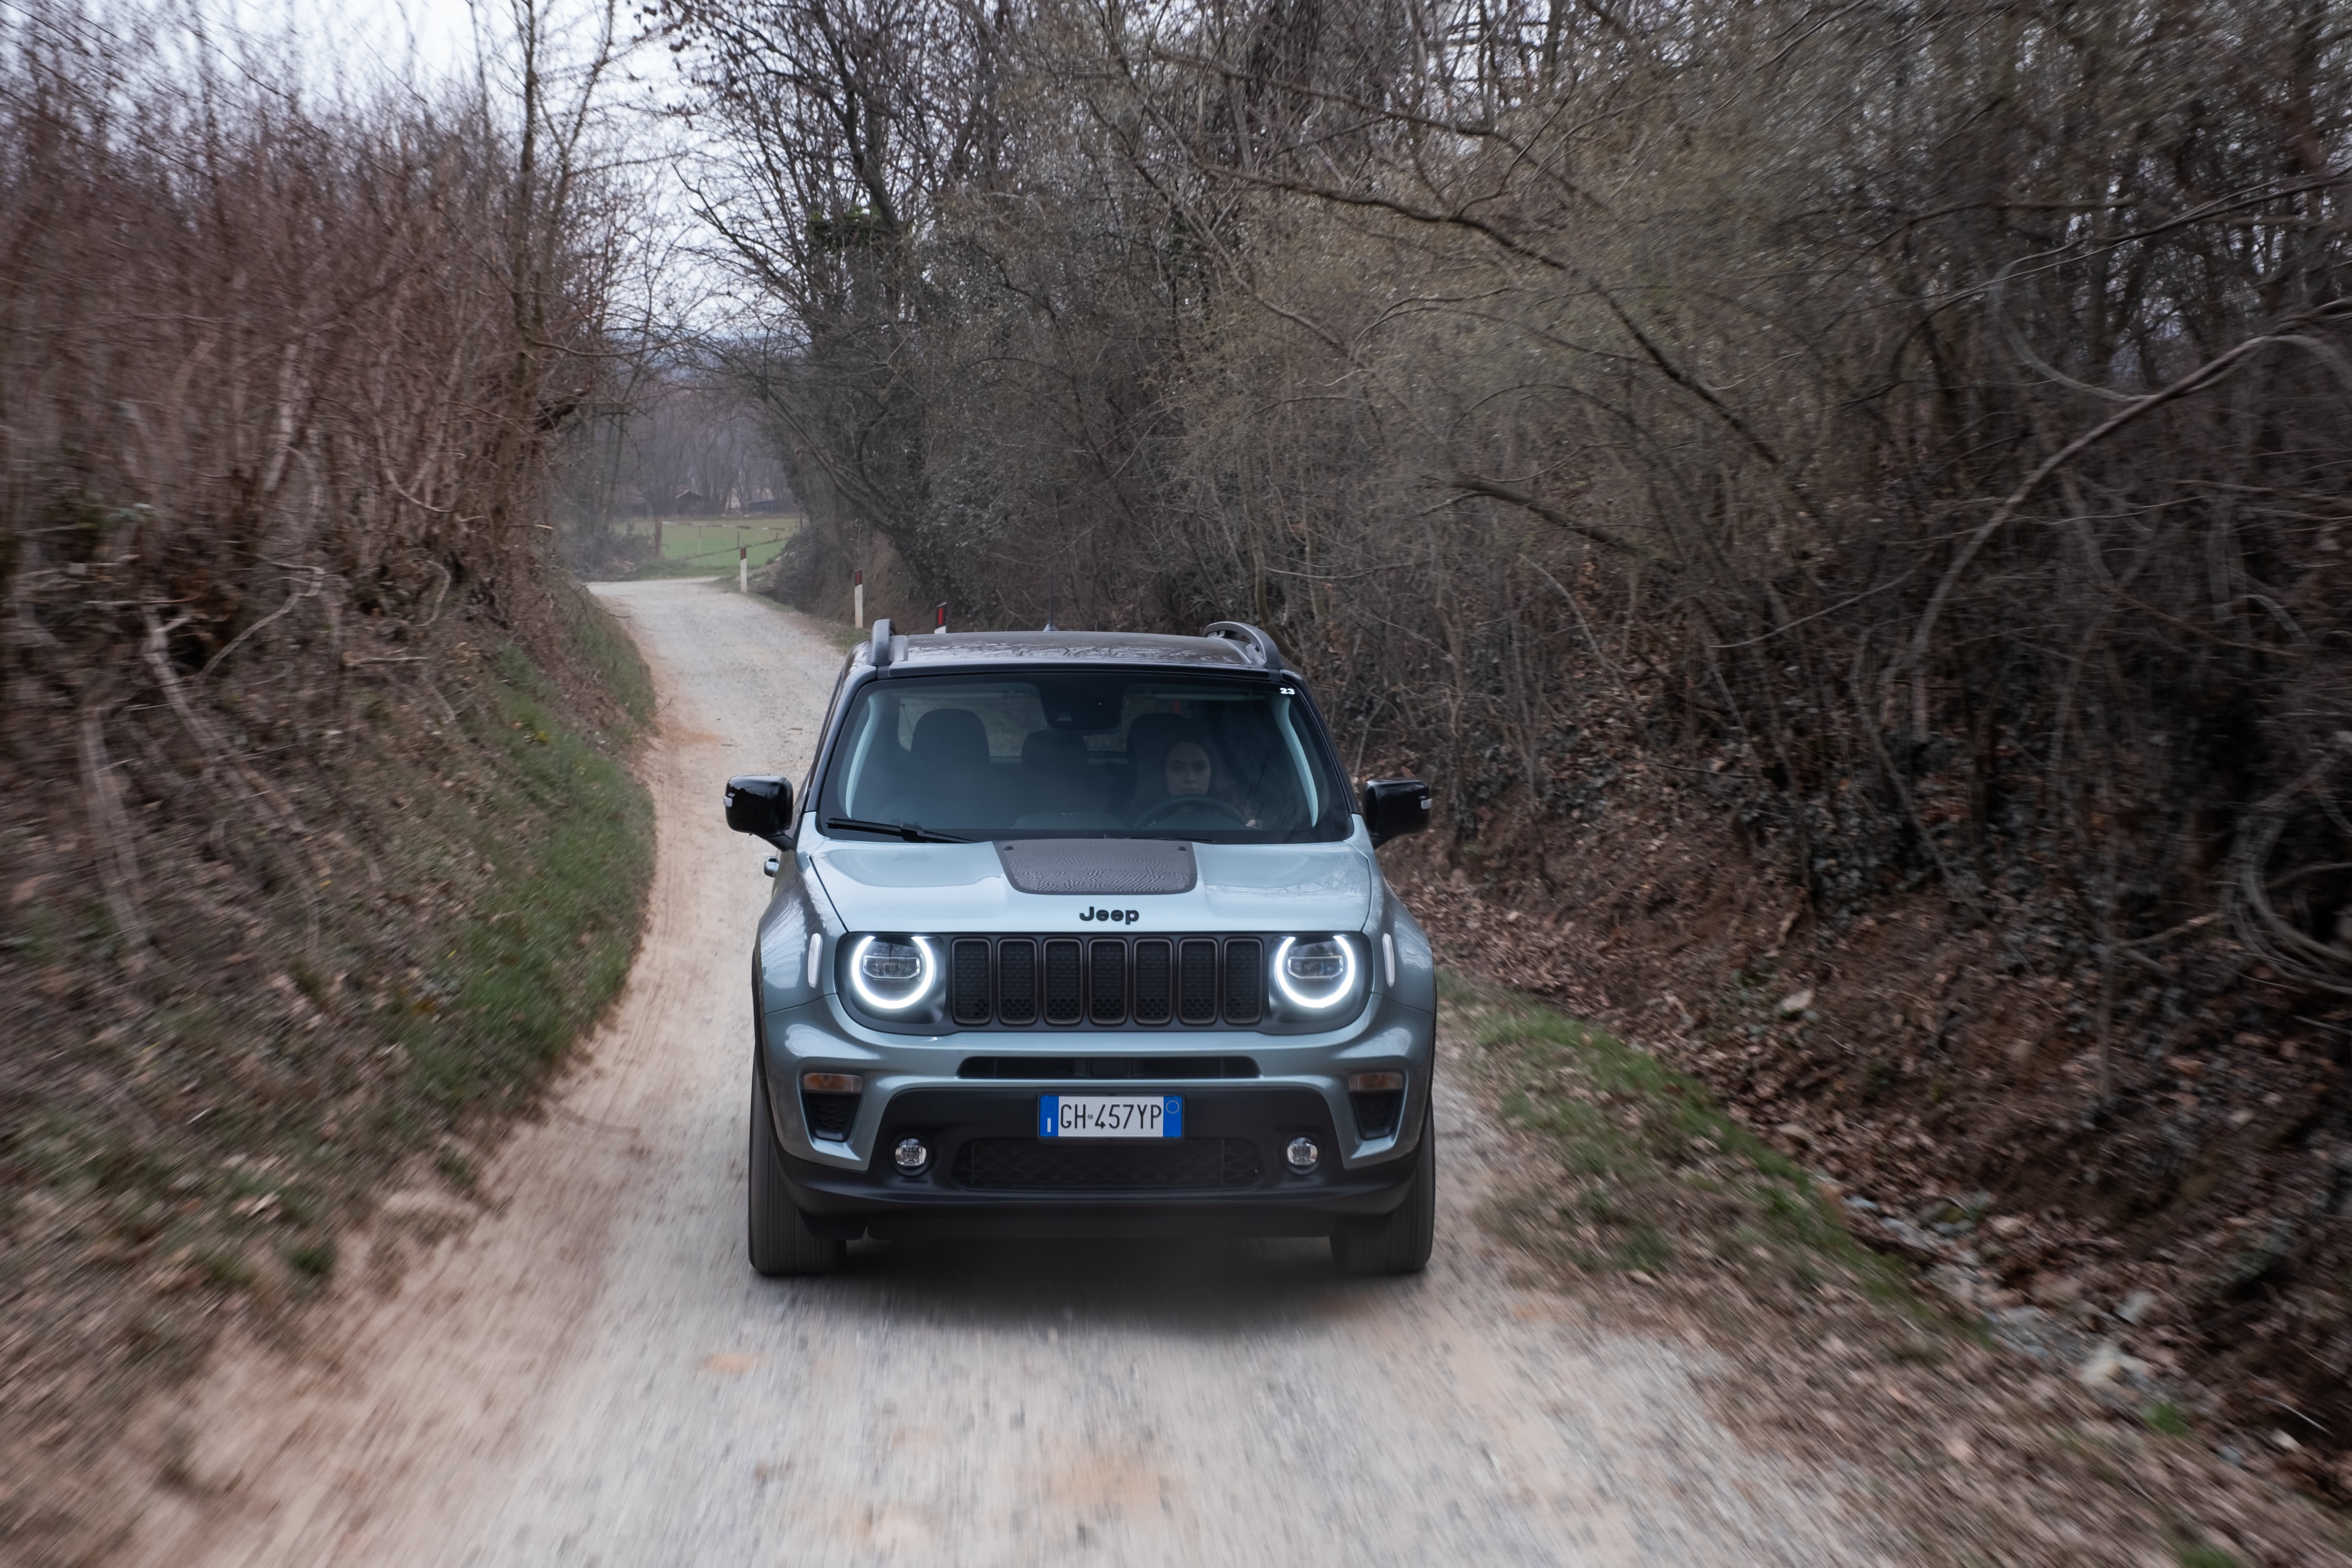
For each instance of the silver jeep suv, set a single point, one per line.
(1081, 933)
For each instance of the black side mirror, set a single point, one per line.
(1393, 807)
(761, 807)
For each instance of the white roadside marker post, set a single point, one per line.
(742, 568)
(858, 601)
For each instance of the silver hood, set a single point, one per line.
(963, 888)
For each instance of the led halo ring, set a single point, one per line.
(1340, 989)
(924, 978)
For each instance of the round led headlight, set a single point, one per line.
(1314, 973)
(891, 974)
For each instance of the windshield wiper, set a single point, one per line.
(905, 830)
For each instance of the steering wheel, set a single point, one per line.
(1176, 804)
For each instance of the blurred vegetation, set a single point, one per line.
(548, 944)
(318, 846)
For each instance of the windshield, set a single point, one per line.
(1083, 754)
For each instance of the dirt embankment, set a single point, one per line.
(192, 1122)
(2152, 1153)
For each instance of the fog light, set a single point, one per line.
(1302, 1154)
(1374, 1082)
(912, 1154)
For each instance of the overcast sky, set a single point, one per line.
(406, 38)
(438, 33)
(412, 40)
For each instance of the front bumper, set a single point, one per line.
(991, 1174)
(914, 1086)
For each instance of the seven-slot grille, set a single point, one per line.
(1106, 982)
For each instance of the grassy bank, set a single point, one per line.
(323, 1021)
(547, 943)
(1649, 1176)
(1637, 1192)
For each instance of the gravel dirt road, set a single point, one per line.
(586, 1371)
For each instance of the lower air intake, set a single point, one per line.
(1049, 1067)
(830, 1115)
(1376, 1112)
(1049, 1164)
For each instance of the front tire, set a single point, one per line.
(1403, 1243)
(780, 1241)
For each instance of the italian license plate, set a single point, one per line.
(1110, 1116)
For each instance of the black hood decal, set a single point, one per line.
(1099, 866)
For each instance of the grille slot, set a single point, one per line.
(1151, 981)
(968, 982)
(1064, 1005)
(1107, 964)
(1168, 1165)
(1196, 984)
(1016, 981)
(1244, 980)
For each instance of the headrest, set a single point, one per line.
(950, 736)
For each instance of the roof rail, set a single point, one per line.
(1268, 655)
(881, 642)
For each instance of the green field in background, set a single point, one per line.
(705, 545)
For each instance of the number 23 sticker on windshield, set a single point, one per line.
(1110, 1116)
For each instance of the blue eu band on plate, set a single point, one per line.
(1110, 1116)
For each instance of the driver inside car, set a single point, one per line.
(1189, 772)
(1188, 769)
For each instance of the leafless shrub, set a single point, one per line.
(264, 369)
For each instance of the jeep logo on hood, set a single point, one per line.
(1122, 915)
